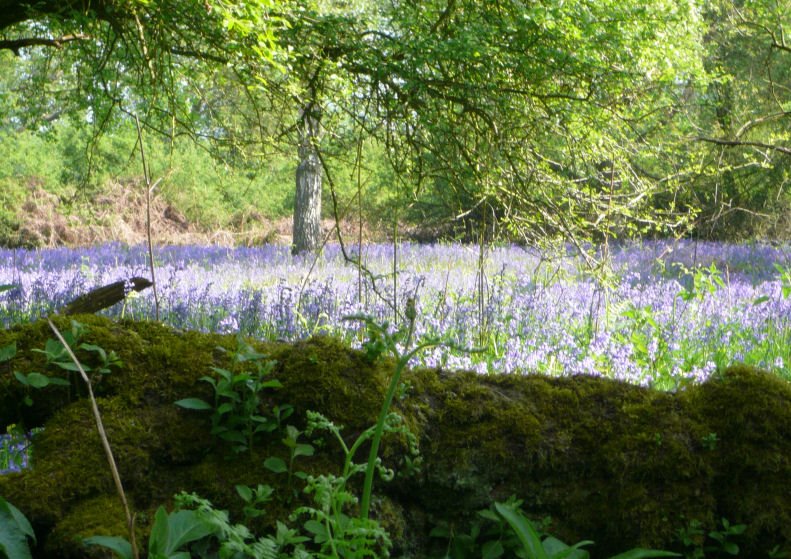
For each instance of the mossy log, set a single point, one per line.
(619, 464)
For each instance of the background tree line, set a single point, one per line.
(581, 120)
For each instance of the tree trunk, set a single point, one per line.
(307, 204)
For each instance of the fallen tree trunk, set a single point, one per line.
(619, 464)
(106, 296)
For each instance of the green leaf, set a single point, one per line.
(272, 384)
(14, 531)
(492, 550)
(175, 530)
(122, 547)
(53, 348)
(318, 530)
(557, 549)
(57, 381)
(18, 518)
(193, 404)
(730, 548)
(531, 542)
(222, 409)
(489, 515)
(183, 527)
(6, 287)
(245, 493)
(96, 349)
(158, 539)
(275, 464)
(7, 352)
(234, 437)
(639, 553)
(224, 373)
(21, 378)
(70, 366)
(37, 380)
(303, 449)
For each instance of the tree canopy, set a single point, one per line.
(568, 118)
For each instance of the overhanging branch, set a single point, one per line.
(15, 45)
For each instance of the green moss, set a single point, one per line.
(98, 516)
(607, 460)
(749, 411)
(619, 464)
(324, 374)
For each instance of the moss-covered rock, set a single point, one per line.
(615, 463)
(747, 414)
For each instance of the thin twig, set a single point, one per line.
(130, 519)
(350, 259)
(149, 189)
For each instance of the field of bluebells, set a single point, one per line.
(665, 313)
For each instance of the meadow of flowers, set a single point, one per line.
(662, 313)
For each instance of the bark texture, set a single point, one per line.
(307, 202)
(106, 296)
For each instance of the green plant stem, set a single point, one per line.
(401, 363)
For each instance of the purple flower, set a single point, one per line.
(534, 315)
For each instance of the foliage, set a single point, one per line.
(561, 119)
(534, 547)
(508, 532)
(329, 526)
(236, 412)
(170, 532)
(489, 535)
(15, 530)
(601, 430)
(694, 538)
(235, 539)
(333, 529)
(742, 115)
(295, 450)
(398, 345)
(546, 119)
(57, 356)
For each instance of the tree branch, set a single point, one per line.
(760, 120)
(737, 143)
(15, 45)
